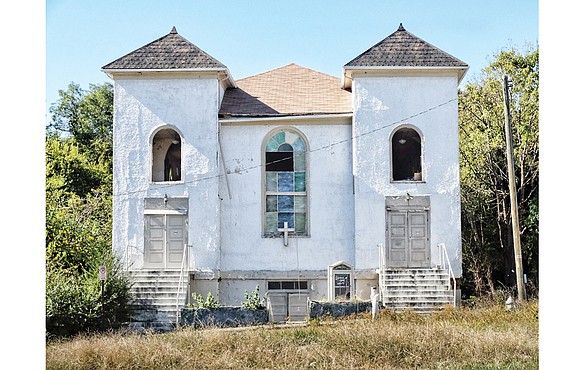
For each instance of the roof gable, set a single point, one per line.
(289, 90)
(170, 52)
(403, 49)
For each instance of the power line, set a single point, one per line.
(324, 147)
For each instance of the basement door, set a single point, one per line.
(288, 307)
(288, 300)
(165, 238)
(408, 232)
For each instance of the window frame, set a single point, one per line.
(157, 165)
(337, 269)
(418, 132)
(266, 193)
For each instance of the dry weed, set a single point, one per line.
(489, 338)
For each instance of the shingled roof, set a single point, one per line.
(289, 90)
(403, 49)
(170, 52)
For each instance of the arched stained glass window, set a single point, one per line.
(286, 178)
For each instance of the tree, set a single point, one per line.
(486, 222)
(86, 116)
(73, 171)
(78, 215)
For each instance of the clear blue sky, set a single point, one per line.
(251, 37)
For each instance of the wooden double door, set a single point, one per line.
(165, 240)
(408, 232)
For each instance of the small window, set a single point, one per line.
(287, 285)
(166, 156)
(406, 155)
(342, 286)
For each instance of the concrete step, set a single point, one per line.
(421, 290)
(415, 291)
(147, 289)
(409, 299)
(155, 303)
(421, 285)
(161, 302)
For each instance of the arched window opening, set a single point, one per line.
(166, 156)
(285, 176)
(406, 155)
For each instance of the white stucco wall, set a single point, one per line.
(142, 106)
(225, 217)
(330, 198)
(381, 104)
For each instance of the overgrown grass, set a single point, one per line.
(482, 338)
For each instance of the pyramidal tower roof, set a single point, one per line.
(170, 52)
(401, 50)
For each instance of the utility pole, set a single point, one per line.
(513, 194)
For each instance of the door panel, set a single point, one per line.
(154, 241)
(278, 307)
(297, 305)
(175, 240)
(419, 243)
(397, 227)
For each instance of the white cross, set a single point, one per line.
(285, 230)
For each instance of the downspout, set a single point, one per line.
(221, 155)
(221, 160)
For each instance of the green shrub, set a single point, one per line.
(253, 300)
(74, 303)
(209, 302)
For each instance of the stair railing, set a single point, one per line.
(382, 266)
(446, 265)
(179, 286)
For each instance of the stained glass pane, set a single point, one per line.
(300, 219)
(300, 203)
(285, 203)
(300, 161)
(271, 181)
(271, 203)
(272, 222)
(298, 145)
(280, 137)
(272, 145)
(285, 181)
(285, 217)
(300, 181)
(291, 137)
(285, 148)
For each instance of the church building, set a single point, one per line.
(305, 185)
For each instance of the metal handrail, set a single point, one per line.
(382, 264)
(183, 260)
(443, 253)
